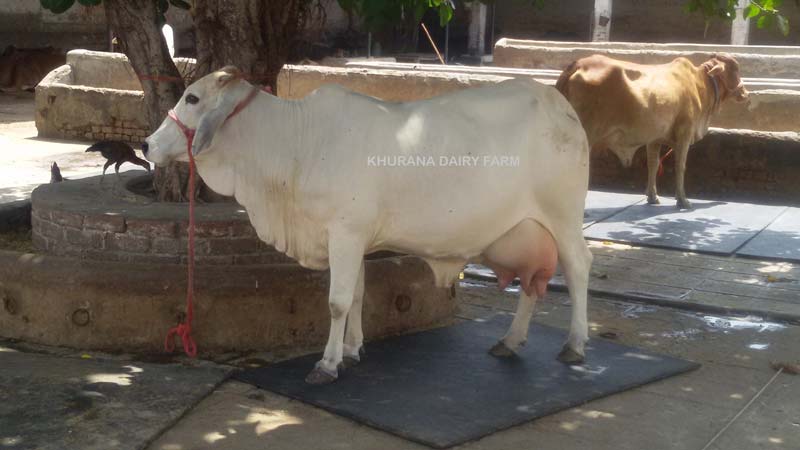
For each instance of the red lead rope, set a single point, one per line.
(184, 329)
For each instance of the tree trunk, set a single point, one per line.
(136, 24)
(257, 36)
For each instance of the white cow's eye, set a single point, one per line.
(192, 99)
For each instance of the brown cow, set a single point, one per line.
(624, 106)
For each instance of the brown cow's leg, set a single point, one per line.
(681, 152)
(653, 155)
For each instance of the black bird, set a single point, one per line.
(117, 152)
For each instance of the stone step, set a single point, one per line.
(781, 62)
(547, 76)
(768, 110)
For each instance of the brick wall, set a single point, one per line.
(113, 237)
(119, 131)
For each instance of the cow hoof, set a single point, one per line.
(570, 356)
(684, 204)
(320, 376)
(653, 200)
(350, 361)
(501, 350)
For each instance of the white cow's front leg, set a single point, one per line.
(354, 335)
(517, 333)
(346, 255)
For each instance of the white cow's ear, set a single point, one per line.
(228, 74)
(210, 122)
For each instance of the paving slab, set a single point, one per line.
(711, 226)
(780, 240)
(51, 402)
(602, 205)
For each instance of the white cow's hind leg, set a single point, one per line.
(346, 256)
(517, 333)
(354, 335)
(576, 261)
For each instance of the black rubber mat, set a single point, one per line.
(780, 240)
(601, 205)
(441, 387)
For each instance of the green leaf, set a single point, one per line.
(90, 2)
(783, 24)
(180, 4)
(751, 11)
(419, 11)
(769, 5)
(445, 14)
(764, 20)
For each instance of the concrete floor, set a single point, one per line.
(682, 412)
(25, 159)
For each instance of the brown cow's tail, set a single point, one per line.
(563, 79)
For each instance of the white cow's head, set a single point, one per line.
(203, 107)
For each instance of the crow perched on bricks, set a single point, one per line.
(119, 153)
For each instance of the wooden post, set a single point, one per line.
(601, 20)
(740, 28)
(477, 29)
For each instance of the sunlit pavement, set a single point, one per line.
(25, 159)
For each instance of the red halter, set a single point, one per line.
(184, 329)
(189, 132)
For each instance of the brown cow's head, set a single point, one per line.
(725, 69)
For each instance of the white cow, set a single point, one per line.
(494, 174)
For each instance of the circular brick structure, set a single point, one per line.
(106, 221)
(107, 275)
